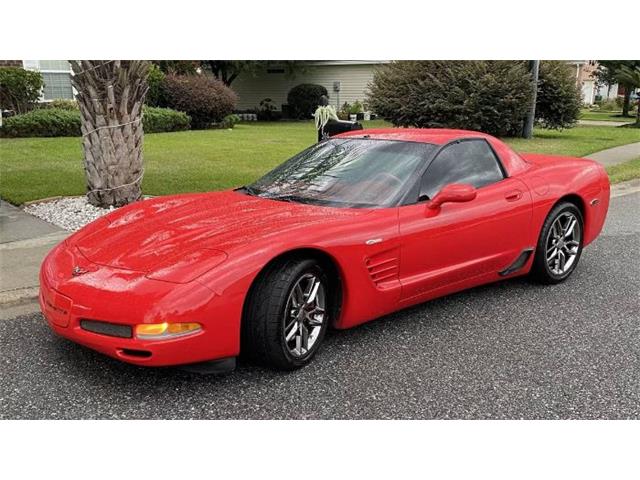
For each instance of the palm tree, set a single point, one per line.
(630, 78)
(110, 95)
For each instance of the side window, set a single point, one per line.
(467, 161)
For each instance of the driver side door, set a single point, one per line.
(460, 245)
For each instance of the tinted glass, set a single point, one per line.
(470, 161)
(345, 172)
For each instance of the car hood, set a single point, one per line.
(152, 234)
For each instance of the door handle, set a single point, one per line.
(513, 195)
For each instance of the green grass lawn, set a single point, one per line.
(34, 168)
(624, 171)
(586, 114)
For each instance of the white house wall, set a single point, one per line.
(354, 80)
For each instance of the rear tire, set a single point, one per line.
(286, 314)
(559, 245)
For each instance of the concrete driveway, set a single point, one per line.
(510, 350)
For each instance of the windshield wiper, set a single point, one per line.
(290, 198)
(249, 190)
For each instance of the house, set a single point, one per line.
(345, 81)
(592, 91)
(55, 73)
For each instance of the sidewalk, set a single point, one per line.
(24, 242)
(611, 156)
(604, 123)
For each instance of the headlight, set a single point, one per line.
(166, 330)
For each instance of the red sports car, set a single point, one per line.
(352, 228)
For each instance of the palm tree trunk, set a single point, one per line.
(626, 105)
(110, 95)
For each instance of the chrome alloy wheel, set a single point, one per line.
(563, 243)
(304, 315)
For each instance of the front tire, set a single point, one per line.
(286, 315)
(559, 245)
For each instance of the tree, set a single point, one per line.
(228, 70)
(559, 99)
(178, 67)
(607, 72)
(491, 96)
(631, 77)
(110, 96)
(19, 88)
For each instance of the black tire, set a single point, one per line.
(263, 322)
(541, 270)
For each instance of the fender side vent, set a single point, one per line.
(519, 262)
(383, 267)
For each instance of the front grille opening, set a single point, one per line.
(106, 328)
(135, 353)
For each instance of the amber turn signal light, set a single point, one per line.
(159, 331)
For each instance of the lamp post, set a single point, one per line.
(534, 68)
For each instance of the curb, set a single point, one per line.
(625, 188)
(45, 200)
(18, 296)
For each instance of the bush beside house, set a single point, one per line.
(490, 96)
(558, 100)
(303, 100)
(43, 122)
(155, 95)
(65, 122)
(206, 100)
(19, 89)
(156, 120)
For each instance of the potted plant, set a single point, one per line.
(356, 111)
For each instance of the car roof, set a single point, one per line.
(438, 136)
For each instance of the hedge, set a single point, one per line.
(157, 120)
(45, 122)
(57, 122)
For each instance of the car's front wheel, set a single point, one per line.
(286, 315)
(560, 244)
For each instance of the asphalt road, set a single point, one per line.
(510, 350)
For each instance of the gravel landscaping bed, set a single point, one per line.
(71, 213)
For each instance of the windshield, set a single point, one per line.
(345, 173)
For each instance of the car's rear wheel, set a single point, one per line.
(287, 314)
(560, 244)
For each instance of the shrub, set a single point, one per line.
(206, 100)
(344, 112)
(155, 120)
(559, 98)
(303, 100)
(155, 95)
(63, 104)
(58, 122)
(19, 89)
(229, 121)
(46, 122)
(357, 107)
(490, 96)
(609, 105)
(267, 110)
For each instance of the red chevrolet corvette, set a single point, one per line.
(350, 229)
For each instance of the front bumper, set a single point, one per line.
(120, 297)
